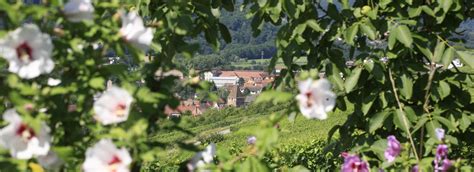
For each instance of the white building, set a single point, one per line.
(208, 75)
(221, 81)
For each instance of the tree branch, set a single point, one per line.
(405, 121)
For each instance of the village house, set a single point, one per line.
(249, 76)
(194, 110)
(235, 97)
(222, 81)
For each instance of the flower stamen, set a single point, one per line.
(24, 52)
(120, 109)
(25, 132)
(114, 163)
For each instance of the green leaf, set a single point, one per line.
(399, 121)
(377, 120)
(145, 95)
(299, 29)
(298, 168)
(139, 128)
(379, 147)
(97, 83)
(392, 39)
(64, 152)
(466, 58)
(428, 10)
(372, 14)
(452, 140)
(378, 73)
(448, 56)
(465, 122)
(420, 123)
(413, 12)
(407, 86)
(408, 22)
(274, 96)
(438, 52)
(383, 3)
(431, 126)
(445, 122)
(261, 3)
(445, 4)
(367, 103)
(225, 33)
(351, 82)
(334, 76)
(410, 113)
(404, 35)
(290, 8)
(444, 90)
(267, 138)
(351, 33)
(118, 133)
(409, 2)
(369, 31)
(275, 12)
(425, 51)
(252, 164)
(313, 24)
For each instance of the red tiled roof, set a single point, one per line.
(246, 74)
(181, 109)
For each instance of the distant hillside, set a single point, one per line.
(243, 44)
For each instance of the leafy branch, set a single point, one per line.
(405, 122)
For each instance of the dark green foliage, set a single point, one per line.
(312, 155)
(213, 138)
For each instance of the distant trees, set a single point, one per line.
(243, 44)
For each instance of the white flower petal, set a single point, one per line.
(202, 158)
(134, 32)
(53, 82)
(38, 46)
(99, 157)
(22, 147)
(209, 152)
(79, 10)
(315, 98)
(105, 107)
(50, 160)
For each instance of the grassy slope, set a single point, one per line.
(300, 131)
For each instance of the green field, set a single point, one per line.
(242, 123)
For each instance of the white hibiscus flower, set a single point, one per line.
(134, 32)
(28, 51)
(50, 161)
(22, 141)
(113, 106)
(104, 156)
(315, 98)
(79, 10)
(53, 82)
(202, 158)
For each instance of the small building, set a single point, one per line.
(222, 81)
(235, 97)
(255, 90)
(194, 110)
(208, 75)
(247, 75)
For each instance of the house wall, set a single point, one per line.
(221, 81)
